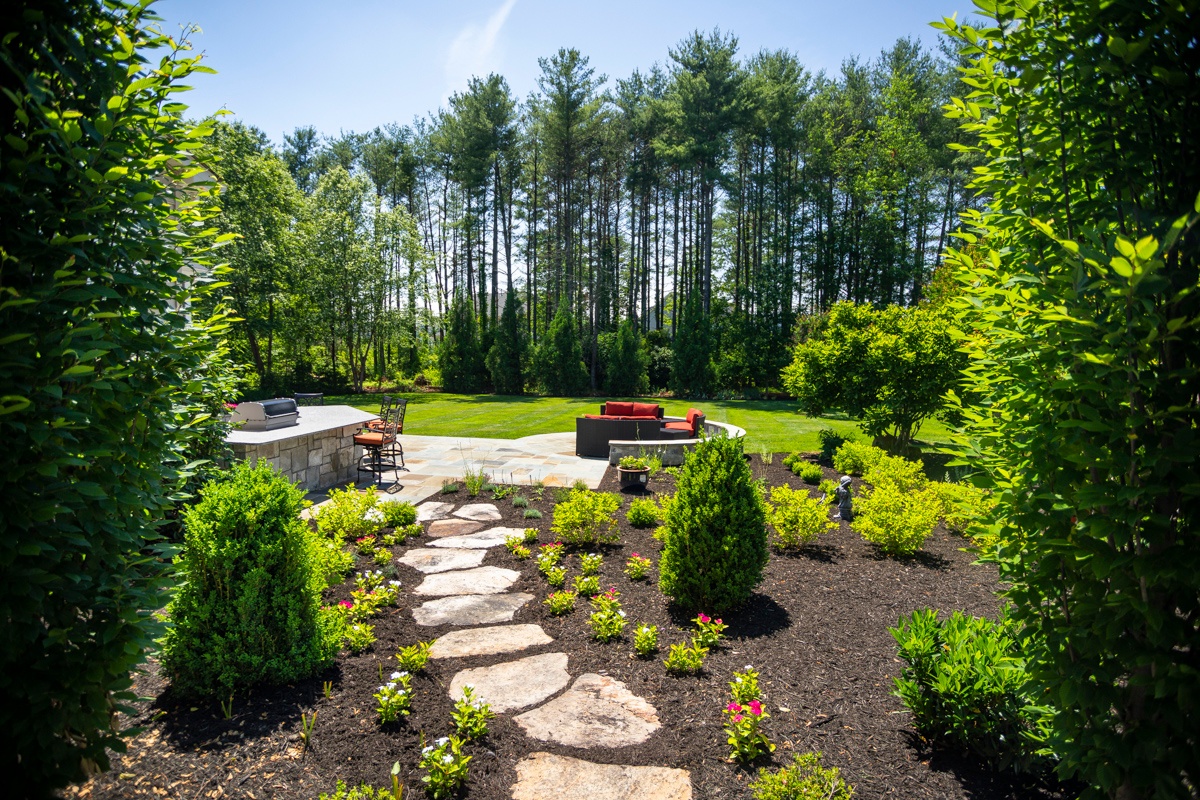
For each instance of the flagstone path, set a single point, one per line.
(595, 712)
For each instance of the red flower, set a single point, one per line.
(704, 618)
(346, 604)
(756, 708)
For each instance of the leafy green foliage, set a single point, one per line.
(470, 715)
(965, 682)
(398, 515)
(109, 393)
(891, 368)
(692, 352)
(685, 658)
(507, 356)
(855, 458)
(797, 518)
(625, 367)
(643, 513)
(830, 440)
(1080, 285)
(715, 545)
(803, 779)
(895, 520)
(346, 515)
(809, 473)
(247, 607)
(963, 505)
(645, 640)
(905, 475)
(360, 792)
(560, 603)
(558, 359)
(460, 356)
(586, 517)
(414, 657)
(607, 619)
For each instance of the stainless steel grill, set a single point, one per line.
(265, 415)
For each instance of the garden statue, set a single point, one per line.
(844, 501)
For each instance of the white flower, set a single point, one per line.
(397, 675)
(374, 515)
(442, 741)
(394, 583)
(426, 750)
(622, 613)
(738, 679)
(748, 667)
(447, 759)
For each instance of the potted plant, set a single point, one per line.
(633, 471)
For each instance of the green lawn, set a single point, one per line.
(775, 425)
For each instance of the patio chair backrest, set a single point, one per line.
(392, 422)
(401, 405)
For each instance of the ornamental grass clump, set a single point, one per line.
(715, 542)
(247, 608)
(804, 779)
(797, 518)
(896, 521)
(586, 517)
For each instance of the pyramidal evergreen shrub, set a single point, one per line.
(248, 606)
(715, 534)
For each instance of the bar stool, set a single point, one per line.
(378, 444)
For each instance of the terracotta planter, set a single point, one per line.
(633, 477)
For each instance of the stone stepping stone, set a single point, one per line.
(453, 527)
(598, 711)
(514, 684)
(480, 512)
(488, 641)
(427, 512)
(481, 580)
(471, 609)
(429, 560)
(484, 539)
(545, 776)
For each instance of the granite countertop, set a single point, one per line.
(313, 419)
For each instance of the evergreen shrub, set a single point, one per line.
(715, 542)
(965, 682)
(586, 517)
(248, 606)
(399, 515)
(643, 513)
(895, 520)
(625, 365)
(831, 440)
(797, 518)
(558, 360)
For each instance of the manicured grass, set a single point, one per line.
(773, 425)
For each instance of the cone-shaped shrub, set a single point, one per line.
(248, 607)
(715, 542)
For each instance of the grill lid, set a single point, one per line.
(278, 406)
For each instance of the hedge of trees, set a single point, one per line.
(721, 194)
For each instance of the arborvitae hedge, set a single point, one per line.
(715, 545)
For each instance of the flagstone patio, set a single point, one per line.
(433, 460)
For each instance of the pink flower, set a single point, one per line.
(346, 604)
(737, 718)
(704, 618)
(635, 555)
(756, 708)
(718, 622)
(733, 707)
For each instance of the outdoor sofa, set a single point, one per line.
(627, 421)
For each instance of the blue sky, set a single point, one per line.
(356, 64)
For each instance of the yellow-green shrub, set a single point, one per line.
(797, 518)
(854, 458)
(586, 517)
(896, 521)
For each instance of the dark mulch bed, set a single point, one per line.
(816, 631)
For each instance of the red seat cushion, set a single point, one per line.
(693, 418)
(645, 409)
(370, 439)
(678, 426)
(618, 409)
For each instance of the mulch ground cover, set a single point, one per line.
(816, 630)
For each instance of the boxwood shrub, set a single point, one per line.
(248, 606)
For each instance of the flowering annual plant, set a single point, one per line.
(645, 639)
(549, 556)
(709, 631)
(369, 580)
(744, 686)
(394, 698)
(471, 715)
(520, 552)
(511, 543)
(414, 657)
(446, 767)
(607, 620)
(588, 586)
(556, 576)
(359, 637)
(383, 556)
(375, 516)
(745, 737)
(637, 567)
(684, 658)
(364, 606)
(365, 545)
(589, 563)
(560, 602)
(531, 535)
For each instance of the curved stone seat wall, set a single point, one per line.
(669, 451)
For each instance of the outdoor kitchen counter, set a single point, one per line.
(318, 452)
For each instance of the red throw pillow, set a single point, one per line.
(693, 418)
(618, 409)
(645, 409)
